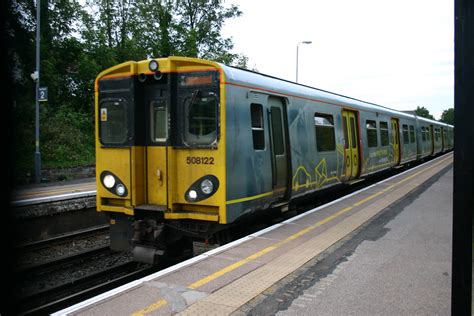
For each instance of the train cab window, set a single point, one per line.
(113, 122)
(384, 133)
(324, 128)
(200, 118)
(159, 120)
(371, 127)
(412, 134)
(258, 134)
(406, 140)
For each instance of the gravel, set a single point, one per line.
(36, 281)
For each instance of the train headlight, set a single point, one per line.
(203, 188)
(153, 65)
(120, 189)
(207, 186)
(109, 181)
(113, 184)
(192, 195)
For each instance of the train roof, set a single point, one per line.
(268, 83)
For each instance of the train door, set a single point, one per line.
(395, 141)
(156, 102)
(431, 133)
(442, 139)
(351, 148)
(278, 142)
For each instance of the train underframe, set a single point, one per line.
(150, 237)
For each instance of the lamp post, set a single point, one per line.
(297, 53)
(36, 77)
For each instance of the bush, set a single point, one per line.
(67, 138)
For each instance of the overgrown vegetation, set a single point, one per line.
(80, 39)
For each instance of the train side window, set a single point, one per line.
(405, 134)
(353, 132)
(423, 134)
(277, 131)
(371, 127)
(324, 128)
(258, 133)
(412, 134)
(346, 136)
(383, 133)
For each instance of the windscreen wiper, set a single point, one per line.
(196, 93)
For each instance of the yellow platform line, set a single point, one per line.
(150, 308)
(300, 233)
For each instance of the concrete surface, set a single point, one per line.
(405, 272)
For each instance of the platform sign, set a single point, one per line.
(42, 94)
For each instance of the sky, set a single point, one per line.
(398, 54)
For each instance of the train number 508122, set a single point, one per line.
(200, 160)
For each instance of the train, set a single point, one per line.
(188, 148)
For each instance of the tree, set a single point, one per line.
(81, 38)
(423, 112)
(198, 26)
(448, 116)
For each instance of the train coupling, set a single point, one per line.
(147, 254)
(147, 238)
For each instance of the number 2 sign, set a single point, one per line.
(42, 94)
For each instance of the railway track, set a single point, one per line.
(49, 285)
(66, 294)
(48, 265)
(64, 238)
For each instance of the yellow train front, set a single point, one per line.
(159, 168)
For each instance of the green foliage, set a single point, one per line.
(423, 112)
(78, 41)
(448, 116)
(67, 138)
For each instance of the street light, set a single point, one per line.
(36, 77)
(297, 53)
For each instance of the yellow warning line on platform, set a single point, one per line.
(150, 308)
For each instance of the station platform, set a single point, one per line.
(54, 191)
(385, 249)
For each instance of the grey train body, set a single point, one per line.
(274, 153)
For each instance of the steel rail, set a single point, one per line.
(44, 243)
(62, 295)
(56, 263)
